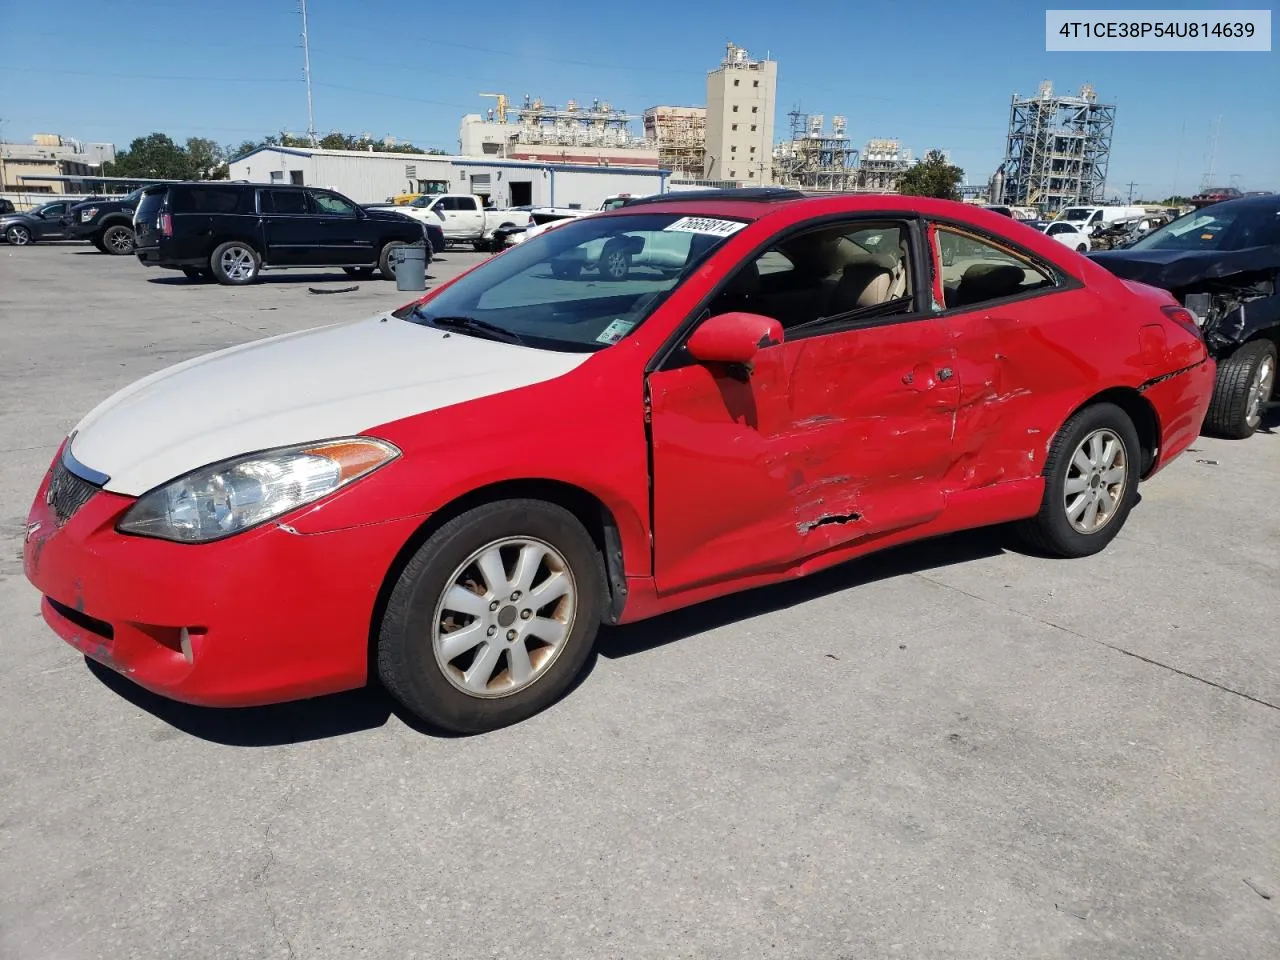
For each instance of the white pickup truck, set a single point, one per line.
(462, 216)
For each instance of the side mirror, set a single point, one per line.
(733, 338)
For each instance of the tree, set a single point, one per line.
(206, 160)
(932, 177)
(155, 156)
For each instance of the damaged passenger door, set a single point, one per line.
(841, 432)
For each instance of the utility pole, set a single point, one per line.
(1131, 185)
(306, 71)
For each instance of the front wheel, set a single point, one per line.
(118, 240)
(1246, 381)
(18, 235)
(1081, 248)
(1090, 483)
(494, 617)
(235, 264)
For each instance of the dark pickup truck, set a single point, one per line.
(107, 223)
(230, 232)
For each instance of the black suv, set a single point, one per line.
(106, 222)
(230, 232)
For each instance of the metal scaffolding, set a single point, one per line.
(680, 134)
(597, 125)
(883, 164)
(813, 159)
(1058, 150)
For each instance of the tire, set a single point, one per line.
(235, 263)
(363, 273)
(1246, 382)
(118, 240)
(1081, 248)
(1052, 530)
(408, 639)
(18, 236)
(384, 259)
(615, 262)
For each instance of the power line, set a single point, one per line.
(147, 76)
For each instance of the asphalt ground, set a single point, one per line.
(950, 750)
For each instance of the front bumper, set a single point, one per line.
(80, 231)
(266, 616)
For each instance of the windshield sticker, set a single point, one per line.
(615, 331)
(707, 225)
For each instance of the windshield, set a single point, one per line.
(614, 203)
(582, 286)
(1218, 228)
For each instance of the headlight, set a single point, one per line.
(229, 497)
(87, 215)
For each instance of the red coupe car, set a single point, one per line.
(692, 395)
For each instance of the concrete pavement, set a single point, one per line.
(950, 750)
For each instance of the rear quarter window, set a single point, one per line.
(211, 200)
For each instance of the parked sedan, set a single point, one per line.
(825, 377)
(42, 223)
(1066, 233)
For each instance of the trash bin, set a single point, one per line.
(410, 264)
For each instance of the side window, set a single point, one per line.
(447, 204)
(1060, 228)
(841, 272)
(211, 200)
(975, 270)
(333, 205)
(288, 202)
(465, 203)
(52, 210)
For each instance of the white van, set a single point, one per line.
(1089, 219)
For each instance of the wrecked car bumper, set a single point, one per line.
(263, 617)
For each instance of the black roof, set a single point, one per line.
(749, 194)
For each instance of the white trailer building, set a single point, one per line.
(372, 177)
(515, 183)
(365, 177)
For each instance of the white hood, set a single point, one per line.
(329, 382)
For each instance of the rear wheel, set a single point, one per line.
(117, 240)
(18, 235)
(1245, 384)
(385, 265)
(235, 263)
(494, 617)
(1090, 483)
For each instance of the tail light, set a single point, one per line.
(1183, 318)
(166, 224)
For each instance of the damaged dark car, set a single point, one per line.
(1223, 264)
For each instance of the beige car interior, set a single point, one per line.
(823, 273)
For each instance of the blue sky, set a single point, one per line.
(933, 74)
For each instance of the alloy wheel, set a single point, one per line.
(504, 617)
(1260, 391)
(237, 263)
(119, 240)
(1096, 481)
(18, 236)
